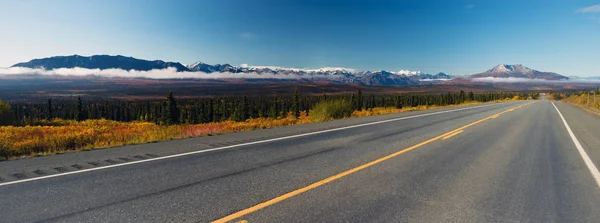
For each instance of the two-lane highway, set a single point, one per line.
(506, 162)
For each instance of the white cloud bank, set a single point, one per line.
(527, 80)
(171, 73)
(590, 9)
(167, 73)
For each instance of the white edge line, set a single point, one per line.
(237, 145)
(586, 159)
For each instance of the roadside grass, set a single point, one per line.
(59, 136)
(581, 101)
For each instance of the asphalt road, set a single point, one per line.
(506, 162)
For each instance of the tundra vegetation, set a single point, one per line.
(587, 99)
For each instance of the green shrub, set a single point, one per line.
(330, 109)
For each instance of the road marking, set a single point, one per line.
(239, 145)
(495, 116)
(242, 221)
(455, 133)
(586, 159)
(273, 201)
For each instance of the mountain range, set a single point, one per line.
(339, 75)
(100, 62)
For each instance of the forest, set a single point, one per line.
(58, 126)
(205, 110)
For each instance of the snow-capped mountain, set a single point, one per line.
(518, 71)
(407, 72)
(433, 77)
(335, 74)
(386, 78)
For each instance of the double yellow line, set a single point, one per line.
(353, 170)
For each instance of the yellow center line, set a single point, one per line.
(273, 201)
(453, 134)
(242, 221)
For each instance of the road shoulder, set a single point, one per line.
(585, 126)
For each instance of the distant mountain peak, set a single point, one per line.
(407, 72)
(509, 68)
(518, 71)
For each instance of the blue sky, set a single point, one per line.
(458, 37)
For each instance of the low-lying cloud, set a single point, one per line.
(527, 80)
(435, 79)
(172, 73)
(167, 73)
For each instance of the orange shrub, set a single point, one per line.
(58, 136)
(66, 135)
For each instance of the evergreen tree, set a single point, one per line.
(245, 109)
(398, 102)
(353, 102)
(210, 111)
(296, 104)
(6, 116)
(79, 110)
(372, 104)
(273, 112)
(49, 115)
(170, 111)
(359, 101)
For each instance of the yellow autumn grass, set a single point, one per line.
(390, 110)
(58, 136)
(582, 101)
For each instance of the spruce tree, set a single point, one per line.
(49, 115)
(245, 109)
(6, 116)
(273, 112)
(210, 111)
(359, 101)
(296, 104)
(398, 102)
(353, 102)
(170, 112)
(79, 110)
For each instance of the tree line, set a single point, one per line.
(565, 94)
(204, 110)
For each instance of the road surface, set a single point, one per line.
(504, 162)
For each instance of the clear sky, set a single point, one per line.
(458, 37)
